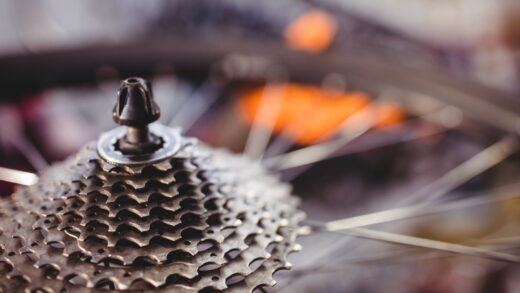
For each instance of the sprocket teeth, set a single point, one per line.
(202, 219)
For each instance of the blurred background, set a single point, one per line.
(362, 105)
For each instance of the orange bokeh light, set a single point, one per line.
(310, 114)
(312, 31)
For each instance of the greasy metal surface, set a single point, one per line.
(201, 220)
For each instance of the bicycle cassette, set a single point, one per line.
(146, 208)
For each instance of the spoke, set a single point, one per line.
(504, 241)
(30, 152)
(189, 102)
(184, 96)
(17, 177)
(420, 210)
(472, 167)
(485, 159)
(474, 200)
(363, 121)
(434, 191)
(373, 258)
(409, 255)
(323, 151)
(433, 116)
(198, 103)
(171, 93)
(392, 140)
(419, 242)
(264, 121)
(283, 141)
(404, 255)
(479, 163)
(389, 257)
(12, 133)
(500, 243)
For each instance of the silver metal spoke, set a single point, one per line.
(196, 105)
(185, 103)
(434, 191)
(30, 152)
(182, 96)
(170, 93)
(392, 140)
(504, 241)
(363, 260)
(406, 255)
(12, 133)
(507, 192)
(433, 116)
(412, 254)
(470, 168)
(420, 210)
(284, 140)
(419, 242)
(372, 259)
(264, 121)
(17, 176)
(318, 152)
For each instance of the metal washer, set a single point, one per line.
(107, 150)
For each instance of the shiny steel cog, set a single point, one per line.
(199, 219)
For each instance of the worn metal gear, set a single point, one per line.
(199, 220)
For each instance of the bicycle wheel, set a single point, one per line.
(426, 161)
